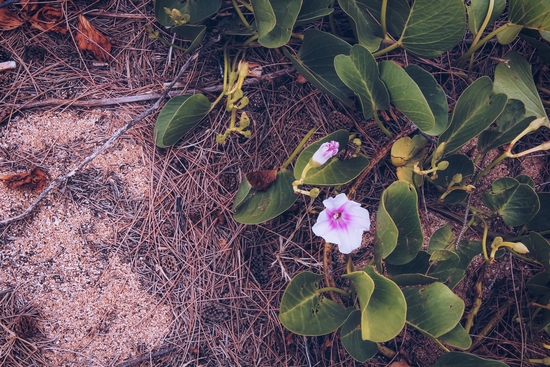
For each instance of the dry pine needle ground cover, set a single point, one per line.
(136, 259)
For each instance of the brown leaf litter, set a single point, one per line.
(36, 179)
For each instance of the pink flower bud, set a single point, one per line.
(324, 153)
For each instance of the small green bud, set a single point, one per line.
(443, 165)
(246, 133)
(244, 121)
(314, 192)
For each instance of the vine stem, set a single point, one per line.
(333, 289)
(299, 147)
(477, 302)
(480, 31)
(383, 13)
(387, 49)
(485, 39)
(241, 16)
(381, 125)
(491, 166)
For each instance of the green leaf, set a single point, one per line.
(434, 310)
(406, 95)
(477, 12)
(458, 338)
(509, 34)
(401, 202)
(517, 203)
(178, 116)
(434, 27)
(350, 336)
(334, 172)
(513, 78)
(467, 250)
(434, 94)
(359, 72)
(524, 179)
(509, 124)
(314, 9)
(409, 280)
(244, 190)
(476, 109)
(193, 33)
(261, 206)
(406, 153)
(367, 29)
(539, 248)
(397, 13)
(197, 9)
(315, 61)
(441, 239)
(387, 234)
(285, 12)
(533, 14)
(444, 264)
(543, 49)
(459, 359)
(540, 221)
(304, 312)
(419, 265)
(458, 164)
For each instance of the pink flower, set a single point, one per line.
(325, 152)
(342, 223)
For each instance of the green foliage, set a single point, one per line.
(533, 14)
(367, 29)
(459, 359)
(350, 336)
(461, 165)
(197, 10)
(275, 20)
(477, 11)
(406, 153)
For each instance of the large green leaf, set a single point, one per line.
(441, 239)
(359, 72)
(406, 95)
(509, 124)
(434, 94)
(334, 172)
(533, 14)
(367, 29)
(315, 61)
(434, 27)
(260, 206)
(387, 234)
(516, 202)
(303, 311)
(539, 248)
(397, 13)
(197, 10)
(314, 9)
(434, 310)
(350, 336)
(458, 338)
(477, 11)
(178, 116)
(509, 33)
(459, 359)
(541, 221)
(513, 77)
(193, 33)
(401, 202)
(285, 11)
(412, 273)
(543, 49)
(476, 109)
(466, 250)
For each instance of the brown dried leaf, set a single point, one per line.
(261, 180)
(36, 179)
(401, 363)
(9, 20)
(48, 18)
(90, 39)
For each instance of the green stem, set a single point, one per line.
(251, 39)
(484, 241)
(350, 268)
(333, 289)
(383, 13)
(381, 126)
(298, 148)
(246, 5)
(491, 166)
(240, 14)
(331, 19)
(481, 30)
(170, 44)
(387, 49)
(485, 39)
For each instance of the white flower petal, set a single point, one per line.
(336, 202)
(353, 241)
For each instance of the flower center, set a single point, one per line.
(337, 215)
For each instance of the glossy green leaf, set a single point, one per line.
(178, 116)
(334, 172)
(367, 29)
(314, 9)
(387, 234)
(406, 95)
(517, 203)
(477, 11)
(459, 359)
(406, 153)
(541, 220)
(539, 284)
(197, 9)
(509, 34)
(434, 94)
(458, 338)
(350, 336)
(359, 72)
(539, 248)
(441, 239)
(466, 250)
(524, 179)
(245, 189)
(401, 202)
(444, 264)
(397, 13)
(509, 124)
(434, 27)
(514, 79)
(315, 61)
(533, 14)
(261, 206)
(273, 35)
(419, 265)
(458, 164)
(434, 310)
(476, 109)
(303, 311)
(409, 280)
(193, 33)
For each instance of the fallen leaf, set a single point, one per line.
(48, 18)
(401, 363)
(36, 179)
(90, 39)
(10, 20)
(261, 180)
(301, 79)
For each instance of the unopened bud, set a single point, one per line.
(443, 165)
(518, 247)
(314, 192)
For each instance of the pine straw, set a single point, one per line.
(183, 241)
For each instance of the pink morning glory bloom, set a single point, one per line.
(325, 152)
(342, 223)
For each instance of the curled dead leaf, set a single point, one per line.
(300, 78)
(261, 180)
(48, 18)
(90, 39)
(10, 20)
(36, 179)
